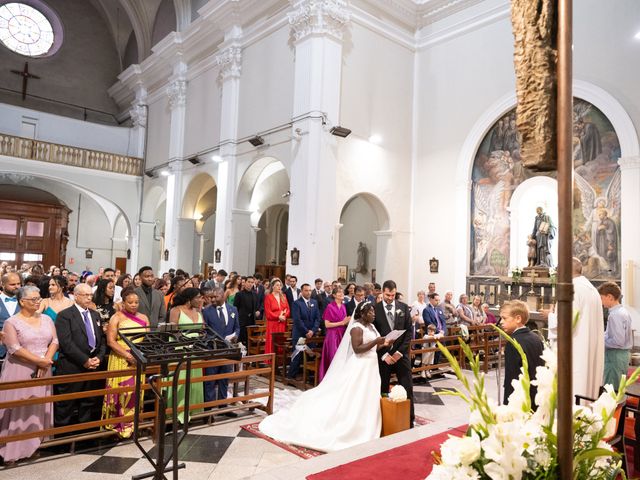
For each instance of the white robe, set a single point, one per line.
(588, 338)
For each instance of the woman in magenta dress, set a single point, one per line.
(31, 341)
(335, 320)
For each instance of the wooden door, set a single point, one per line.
(121, 264)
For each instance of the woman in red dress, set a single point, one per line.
(276, 312)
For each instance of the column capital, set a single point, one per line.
(318, 17)
(177, 93)
(138, 113)
(230, 62)
(629, 163)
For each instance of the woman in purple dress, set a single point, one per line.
(31, 341)
(335, 320)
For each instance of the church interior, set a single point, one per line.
(351, 140)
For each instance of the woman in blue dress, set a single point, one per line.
(56, 301)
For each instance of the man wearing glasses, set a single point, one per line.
(82, 350)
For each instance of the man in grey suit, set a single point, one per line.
(151, 300)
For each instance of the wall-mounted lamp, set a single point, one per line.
(256, 141)
(286, 194)
(150, 174)
(295, 256)
(128, 254)
(217, 255)
(339, 131)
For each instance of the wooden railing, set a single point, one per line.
(244, 369)
(67, 155)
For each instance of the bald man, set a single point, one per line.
(82, 350)
(11, 282)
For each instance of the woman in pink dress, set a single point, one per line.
(31, 341)
(335, 320)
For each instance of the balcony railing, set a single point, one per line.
(66, 155)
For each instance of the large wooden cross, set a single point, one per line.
(25, 78)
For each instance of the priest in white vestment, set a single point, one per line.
(588, 335)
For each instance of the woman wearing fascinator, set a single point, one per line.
(344, 410)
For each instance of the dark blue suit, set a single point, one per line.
(4, 314)
(217, 389)
(305, 318)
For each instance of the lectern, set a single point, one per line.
(172, 348)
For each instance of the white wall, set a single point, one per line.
(202, 129)
(66, 131)
(266, 84)
(159, 122)
(377, 82)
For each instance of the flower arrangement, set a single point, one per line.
(397, 393)
(516, 274)
(513, 442)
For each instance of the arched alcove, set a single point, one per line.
(497, 172)
(529, 195)
(363, 217)
(271, 238)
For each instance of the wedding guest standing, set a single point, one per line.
(151, 300)
(8, 302)
(335, 321)
(306, 323)
(57, 301)
(276, 311)
(246, 301)
(123, 403)
(465, 314)
(479, 317)
(223, 319)
(82, 350)
(103, 302)
(618, 337)
(31, 341)
(187, 306)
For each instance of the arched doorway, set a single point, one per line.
(363, 243)
(263, 211)
(197, 224)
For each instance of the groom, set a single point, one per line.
(392, 314)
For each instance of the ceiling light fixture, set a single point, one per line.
(256, 141)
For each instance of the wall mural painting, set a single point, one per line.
(497, 172)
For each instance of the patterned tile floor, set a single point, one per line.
(225, 451)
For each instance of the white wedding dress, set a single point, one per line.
(343, 411)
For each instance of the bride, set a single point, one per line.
(344, 410)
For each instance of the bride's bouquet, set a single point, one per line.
(514, 442)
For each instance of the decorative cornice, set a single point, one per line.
(138, 113)
(318, 17)
(230, 62)
(177, 93)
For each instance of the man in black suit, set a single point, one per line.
(82, 350)
(391, 314)
(514, 315)
(293, 292)
(246, 301)
(318, 295)
(151, 301)
(358, 298)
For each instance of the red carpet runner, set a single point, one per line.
(412, 461)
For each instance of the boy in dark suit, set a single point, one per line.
(514, 315)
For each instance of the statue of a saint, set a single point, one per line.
(543, 233)
(363, 254)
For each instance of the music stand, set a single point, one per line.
(170, 347)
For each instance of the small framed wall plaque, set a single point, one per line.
(434, 264)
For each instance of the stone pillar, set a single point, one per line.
(241, 223)
(144, 246)
(138, 113)
(177, 94)
(187, 257)
(317, 27)
(630, 233)
(230, 62)
(462, 243)
(384, 257)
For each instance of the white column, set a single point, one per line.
(138, 113)
(384, 256)
(462, 242)
(253, 235)
(177, 94)
(241, 222)
(186, 234)
(630, 235)
(317, 27)
(144, 246)
(230, 61)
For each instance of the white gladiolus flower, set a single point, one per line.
(461, 450)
